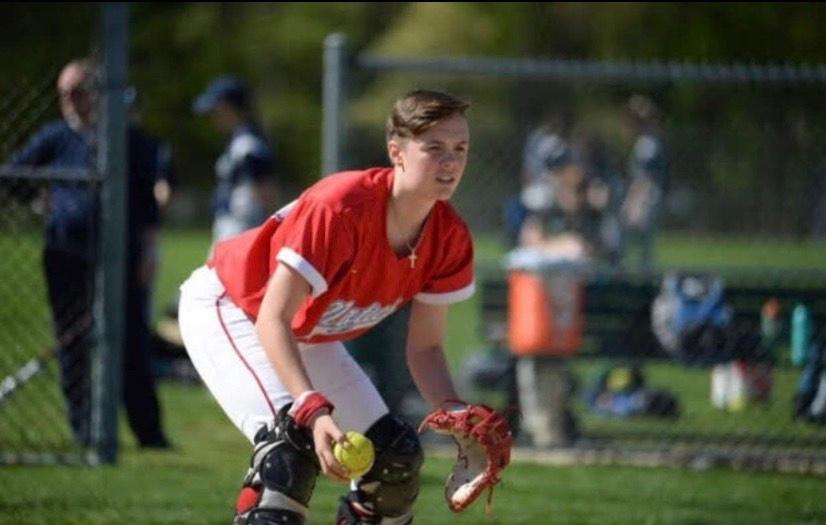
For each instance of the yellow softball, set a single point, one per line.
(357, 456)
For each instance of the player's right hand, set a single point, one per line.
(325, 434)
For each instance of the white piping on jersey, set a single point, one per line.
(284, 211)
(447, 297)
(298, 263)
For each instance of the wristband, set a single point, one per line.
(307, 406)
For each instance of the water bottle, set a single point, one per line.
(769, 327)
(801, 334)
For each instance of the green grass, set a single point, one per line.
(197, 482)
(181, 252)
(739, 252)
(692, 385)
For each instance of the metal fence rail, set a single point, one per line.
(601, 70)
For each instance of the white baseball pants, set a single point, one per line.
(224, 348)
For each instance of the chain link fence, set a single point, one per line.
(742, 201)
(54, 376)
(38, 376)
(744, 143)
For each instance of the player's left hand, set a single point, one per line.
(484, 440)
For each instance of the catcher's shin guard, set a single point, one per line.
(279, 483)
(385, 495)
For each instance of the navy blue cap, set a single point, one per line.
(226, 88)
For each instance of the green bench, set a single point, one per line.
(617, 306)
(617, 325)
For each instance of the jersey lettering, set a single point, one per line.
(344, 316)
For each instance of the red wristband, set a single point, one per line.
(307, 405)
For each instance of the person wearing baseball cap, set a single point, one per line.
(245, 191)
(224, 89)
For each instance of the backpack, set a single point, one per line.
(691, 318)
(621, 391)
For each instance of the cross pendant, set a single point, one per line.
(412, 258)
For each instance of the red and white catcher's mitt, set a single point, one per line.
(484, 440)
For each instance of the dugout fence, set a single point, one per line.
(747, 171)
(42, 365)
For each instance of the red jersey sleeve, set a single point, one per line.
(452, 278)
(317, 243)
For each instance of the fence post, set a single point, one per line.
(111, 274)
(335, 82)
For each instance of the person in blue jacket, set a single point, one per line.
(245, 191)
(71, 251)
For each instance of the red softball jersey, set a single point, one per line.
(335, 236)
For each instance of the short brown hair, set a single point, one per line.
(420, 110)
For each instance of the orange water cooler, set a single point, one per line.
(545, 313)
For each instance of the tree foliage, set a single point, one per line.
(176, 48)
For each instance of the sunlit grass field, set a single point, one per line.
(196, 483)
